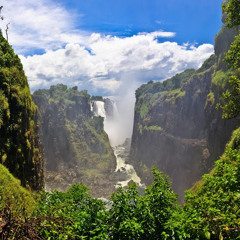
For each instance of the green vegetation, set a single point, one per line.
(71, 215)
(220, 79)
(16, 207)
(210, 99)
(232, 9)
(173, 83)
(154, 128)
(144, 109)
(174, 94)
(97, 98)
(154, 94)
(72, 137)
(211, 209)
(19, 145)
(13, 194)
(207, 64)
(232, 96)
(75, 215)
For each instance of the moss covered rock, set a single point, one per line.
(76, 147)
(20, 150)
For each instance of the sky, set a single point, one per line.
(110, 47)
(104, 45)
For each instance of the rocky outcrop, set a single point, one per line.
(176, 124)
(75, 144)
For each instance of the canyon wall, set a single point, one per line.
(176, 124)
(76, 147)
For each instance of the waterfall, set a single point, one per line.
(109, 111)
(98, 109)
(112, 120)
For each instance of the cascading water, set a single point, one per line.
(98, 109)
(124, 172)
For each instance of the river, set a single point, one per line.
(124, 172)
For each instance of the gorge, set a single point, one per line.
(176, 125)
(63, 152)
(124, 172)
(73, 129)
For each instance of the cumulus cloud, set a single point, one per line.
(37, 24)
(102, 64)
(106, 59)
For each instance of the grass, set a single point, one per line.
(174, 94)
(153, 128)
(13, 194)
(220, 78)
(210, 99)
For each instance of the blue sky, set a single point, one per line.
(191, 20)
(108, 46)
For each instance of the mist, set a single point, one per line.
(120, 126)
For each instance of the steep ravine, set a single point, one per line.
(176, 124)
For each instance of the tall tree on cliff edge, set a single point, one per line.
(20, 150)
(231, 108)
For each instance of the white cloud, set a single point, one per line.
(107, 59)
(41, 24)
(91, 60)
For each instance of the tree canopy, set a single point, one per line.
(231, 107)
(232, 9)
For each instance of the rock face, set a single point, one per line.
(20, 150)
(75, 145)
(176, 124)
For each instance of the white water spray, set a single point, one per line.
(98, 109)
(112, 126)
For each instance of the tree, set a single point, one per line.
(231, 107)
(232, 9)
(160, 204)
(124, 217)
(133, 216)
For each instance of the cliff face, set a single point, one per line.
(20, 150)
(75, 145)
(176, 124)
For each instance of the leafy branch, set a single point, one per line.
(231, 107)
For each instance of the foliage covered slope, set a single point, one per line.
(75, 144)
(212, 206)
(16, 205)
(13, 194)
(211, 210)
(20, 150)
